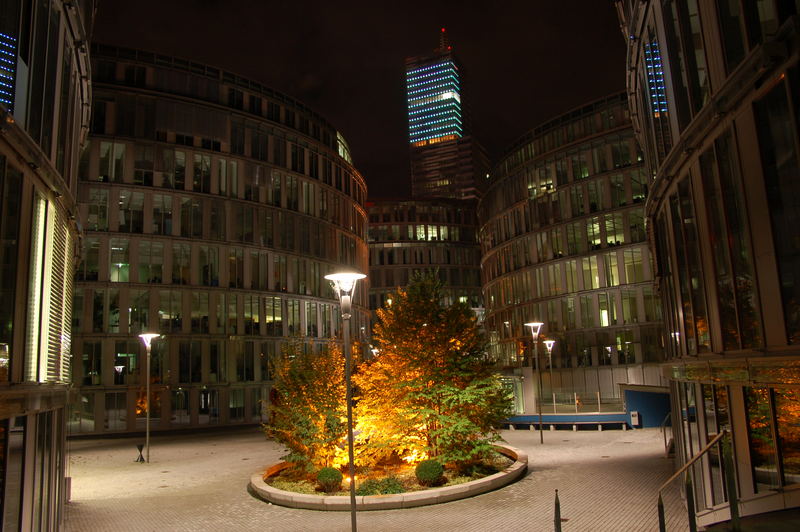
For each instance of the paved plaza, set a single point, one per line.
(607, 481)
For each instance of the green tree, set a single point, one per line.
(430, 391)
(308, 414)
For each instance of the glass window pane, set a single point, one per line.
(762, 443)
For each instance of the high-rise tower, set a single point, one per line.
(446, 161)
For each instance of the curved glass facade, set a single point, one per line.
(44, 117)
(213, 207)
(723, 147)
(564, 242)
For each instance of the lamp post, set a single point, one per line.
(147, 338)
(344, 284)
(549, 345)
(536, 326)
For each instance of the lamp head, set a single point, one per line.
(344, 284)
(535, 326)
(549, 345)
(148, 337)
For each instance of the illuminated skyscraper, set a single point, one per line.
(446, 161)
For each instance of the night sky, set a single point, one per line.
(526, 61)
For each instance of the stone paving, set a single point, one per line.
(607, 481)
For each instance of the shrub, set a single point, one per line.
(384, 486)
(329, 479)
(429, 472)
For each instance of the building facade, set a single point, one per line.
(44, 119)
(409, 236)
(714, 98)
(563, 242)
(446, 160)
(212, 208)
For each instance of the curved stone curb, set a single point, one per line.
(401, 500)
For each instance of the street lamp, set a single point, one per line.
(344, 284)
(536, 326)
(549, 345)
(147, 338)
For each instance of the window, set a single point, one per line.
(180, 170)
(138, 311)
(615, 232)
(119, 256)
(162, 214)
(593, 232)
(311, 319)
(591, 278)
(189, 361)
(233, 313)
(587, 312)
(180, 407)
(143, 165)
(608, 308)
(293, 316)
(151, 261)
(181, 258)
(245, 362)
(191, 218)
(252, 323)
(235, 98)
(200, 318)
(208, 265)
(208, 409)
(201, 181)
(273, 316)
(169, 311)
(97, 219)
(630, 309)
(92, 363)
(617, 187)
(131, 211)
(610, 269)
(111, 162)
(126, 362)
(235, 268)
(236, 405)
(217, 363)
(633, 266)
(778, 140)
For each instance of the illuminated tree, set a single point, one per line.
(430, 391)
(307, 413)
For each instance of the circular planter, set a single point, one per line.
(514, 472)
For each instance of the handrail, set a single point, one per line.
(694, 459)
(730, 484)
(663, 428)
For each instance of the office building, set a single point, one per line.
(446, 160)
(722, 137)
(564, 243)
(409, 236)
(44, 118)
(213, 206)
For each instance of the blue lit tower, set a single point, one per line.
(446, 161)
(434, 99)
(8, 56)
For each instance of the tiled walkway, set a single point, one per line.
(607, 481)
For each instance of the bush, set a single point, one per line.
(329, 479)
(429, 472)
(384, 486)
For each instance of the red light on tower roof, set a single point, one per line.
(443, 30)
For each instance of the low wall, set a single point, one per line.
(512, 473)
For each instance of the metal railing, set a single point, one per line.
(663, 427)
(730, 482)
